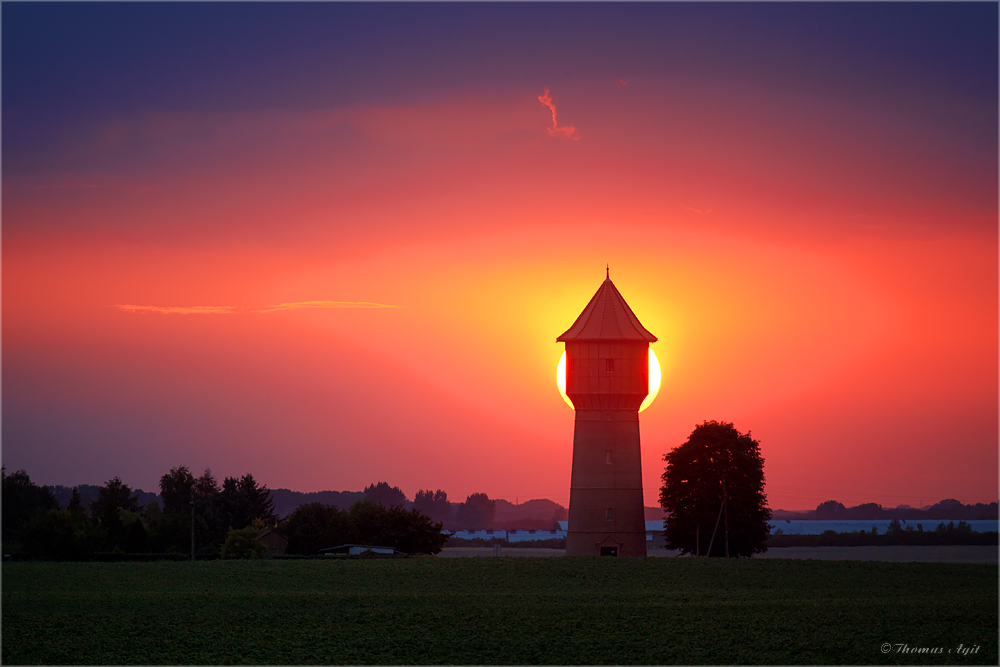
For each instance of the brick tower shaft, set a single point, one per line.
(605, 498)
(607, 378)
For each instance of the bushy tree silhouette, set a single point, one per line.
(410, 531)
(717, 469)
(114, 502)
(21, 500)
(242, 500)
(434, 504)
(243, 543)
(175, 490)
(385, 495)
(315, 526)
(476, 513)
(58, 535)
(831, 509)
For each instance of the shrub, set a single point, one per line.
(243, 543)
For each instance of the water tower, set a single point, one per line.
(607, 378)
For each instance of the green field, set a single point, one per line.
(497, 611)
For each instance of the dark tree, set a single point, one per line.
(114, 495)
(206, 489)
(315, 526)
(476, 513)
(829, 510)
(22, 499)
(58, 535)
(135, 537)
(241, 501)
(159, 537)
(212, 525)
(385, 495)
(407, 530)
(175, 490)
(413, 532)
(75, 502)
(87, 492)
(172, 530)
(368, 522)
(244, 543)
(113, 499)
(715, 457)
(866, 511)
(434, 504)
(214, 512)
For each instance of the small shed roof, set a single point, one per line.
(359, 548)
(607, 317)
(271, 531)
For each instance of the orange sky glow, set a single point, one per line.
(367, 291)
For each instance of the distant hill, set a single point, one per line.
(286, 500)
(538, 514)
(949, 508)
(88, 494)
(541, 513)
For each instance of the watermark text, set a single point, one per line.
(961, 649)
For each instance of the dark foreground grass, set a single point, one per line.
(498, 611)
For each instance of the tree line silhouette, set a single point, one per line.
(222, 519)
(831, 510)
(896, 534)
(34, 523)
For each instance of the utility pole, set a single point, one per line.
(192, 523)
(716, 529)
(725, 506)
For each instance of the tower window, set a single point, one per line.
(608, 461)
(609, 365)
(607, 514)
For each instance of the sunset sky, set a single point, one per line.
(334, 244)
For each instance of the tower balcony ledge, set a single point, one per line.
(607, 415)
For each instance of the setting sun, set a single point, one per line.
(654, 380)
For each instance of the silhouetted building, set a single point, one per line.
(274, 542)
(607, 378)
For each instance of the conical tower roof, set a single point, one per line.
(607, 317)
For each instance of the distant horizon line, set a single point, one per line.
(409, 500)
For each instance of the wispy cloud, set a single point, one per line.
(227, 310)
(567, 131)
(622, 82)
(176, 310)
(69, 186)
(296, 305)
(697, 210)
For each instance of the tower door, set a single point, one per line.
(609, 546)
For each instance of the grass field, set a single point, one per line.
(498, 611)
(889, 554)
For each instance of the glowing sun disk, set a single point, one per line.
(654, 380)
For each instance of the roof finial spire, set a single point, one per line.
(607, 272)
